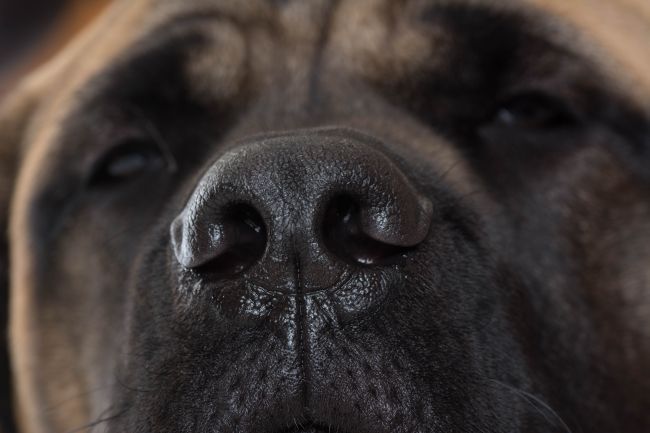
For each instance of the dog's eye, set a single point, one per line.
(128, 159)
(532, 111)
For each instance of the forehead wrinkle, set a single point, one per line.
(206, 50)
(210, 49)
(216, 69)
(614, 34)
(381, 38)
(365, 43)
(245, 12)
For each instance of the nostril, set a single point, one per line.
(246, 237)
(230, 243)
(343, 235)
(244, 233)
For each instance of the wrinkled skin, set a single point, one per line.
(355, 216)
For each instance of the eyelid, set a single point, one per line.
(562, 106)
(100, 143)
(124, 128)
(139, 143)
(568, 95)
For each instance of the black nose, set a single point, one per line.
(305, 206)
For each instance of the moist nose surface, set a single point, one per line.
(299, 214)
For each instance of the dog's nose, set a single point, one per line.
(299, 210)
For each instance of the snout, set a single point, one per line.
(300, 213)
(311, 281)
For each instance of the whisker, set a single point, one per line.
(442, 176)
(163, 146)
(72, 398)
(98, 421)
(541, 406)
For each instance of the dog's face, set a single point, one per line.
(358, 216)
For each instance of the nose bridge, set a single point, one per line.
(326, 201)
(307, 171)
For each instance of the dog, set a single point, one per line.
(371, 216)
